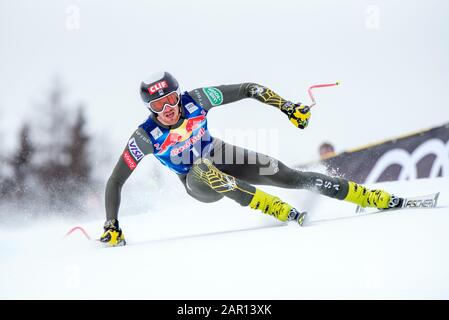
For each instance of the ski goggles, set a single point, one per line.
(171, 100)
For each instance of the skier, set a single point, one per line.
(209, 168)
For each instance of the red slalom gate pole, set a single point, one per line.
(319, 86)
(78, 228)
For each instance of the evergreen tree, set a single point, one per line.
(77, 149)
(22, 160)
(52, 172)
(63, 169)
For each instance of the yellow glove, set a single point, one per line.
(298, 114)
(113, 235)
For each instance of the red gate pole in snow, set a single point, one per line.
(78, 228)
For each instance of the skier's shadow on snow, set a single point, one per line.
(306, 224)
(368, 214)
(208, 234)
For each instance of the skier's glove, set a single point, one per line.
(113, 235)
(297, 113)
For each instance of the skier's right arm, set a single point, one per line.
(138, 146)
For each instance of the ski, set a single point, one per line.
(423, 201)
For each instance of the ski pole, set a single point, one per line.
(319, 86)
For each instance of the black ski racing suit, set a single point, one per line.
(226, 170)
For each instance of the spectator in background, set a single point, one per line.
(326, 151)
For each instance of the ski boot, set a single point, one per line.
(297, 216)
(113, 235)
(364, 197)
(395, 202)
(273, 206)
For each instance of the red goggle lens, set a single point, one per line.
(171, 100)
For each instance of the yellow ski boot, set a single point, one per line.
(364, 197)
(273, 206)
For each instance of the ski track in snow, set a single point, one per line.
(224, 251)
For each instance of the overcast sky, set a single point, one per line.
(391, 56)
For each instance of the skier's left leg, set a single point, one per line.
(260, 169)
(205, 178)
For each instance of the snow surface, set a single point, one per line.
(223, 251)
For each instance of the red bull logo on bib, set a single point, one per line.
(183, 133)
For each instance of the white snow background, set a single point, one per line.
(224, 251)
(391, 57)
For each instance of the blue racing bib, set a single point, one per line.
(178, 148)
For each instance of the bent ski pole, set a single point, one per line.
(319, 86)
